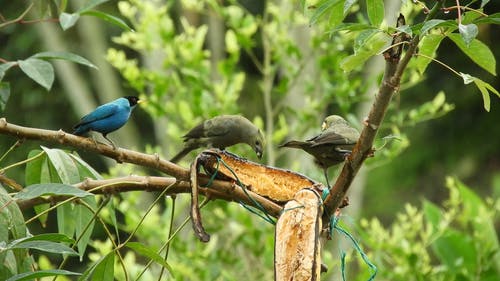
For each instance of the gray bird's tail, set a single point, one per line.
(181, 154)
(294, 144)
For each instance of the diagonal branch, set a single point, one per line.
(390, 85)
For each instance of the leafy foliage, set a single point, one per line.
(436, 243)
(269, 68)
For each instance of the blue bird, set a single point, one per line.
(108, 117)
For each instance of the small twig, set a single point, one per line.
(447, 9)
(16, 144)
(18, 18)
(459, 12)
(198, 228)
(22, 162)
(440, 62)
(170, 231)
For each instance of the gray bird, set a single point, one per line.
(331, 146)
(221, 132)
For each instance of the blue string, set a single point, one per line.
(334, 225)
(325, 193)
(265, 216)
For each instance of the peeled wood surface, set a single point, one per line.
(297, 244)
(274, 183)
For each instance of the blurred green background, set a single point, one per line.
(196, 59)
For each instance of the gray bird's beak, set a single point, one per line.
(259, 154)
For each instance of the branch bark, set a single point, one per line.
(390, 85)
(218, 189)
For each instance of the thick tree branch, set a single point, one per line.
(218, 189)
(390, 85)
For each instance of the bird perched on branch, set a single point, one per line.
(221, 132)
(108, 117)
(332, 145)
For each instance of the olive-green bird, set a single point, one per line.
(221, 132)
(332, 145)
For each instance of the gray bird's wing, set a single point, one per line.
(336, 136)
(209, 128)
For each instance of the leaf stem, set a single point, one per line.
(21, 162)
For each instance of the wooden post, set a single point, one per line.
(297, 244)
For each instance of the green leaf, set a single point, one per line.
(39, 274)
(84, 221)
(11, 221)
(375, 10)
(52, 237)
(323, 8)
(433, 215)
(428, 25)
(84, 169)
(483, 87)
(33, 171)
(149, 253)
(477, 51)
(109, 18)
(40, 71)
(352, 27)
(4, 95)
(91, 4)
(428, 47)
(491, 19)
(372, 47)
(363, 37)
(105, 269)
(37, 172)
(468, 32)
(456, 250)
(43, 189)
(484, 2)
(68, 20)
(347, 5)
(66, 220)
(46, 246)
(4, 67)
(467, 78)
(65, 167)
(64, 56)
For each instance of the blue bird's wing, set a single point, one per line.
(101, 112)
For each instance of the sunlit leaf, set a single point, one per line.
(43, 189)
(427, 48)
(428, 25)
(84, 223)
(109, 18)
(323, 8)
(68, 20)
(45, 246)
(4, 95)
(40, 71)
(468, 32)
(477, 51)
(347, 5)
(375, 11)
(105, 268)
(4, 67)
(91, 4)
(64, 56)
(64, 165)
(491, 19)
(149, 253)
(39, 274)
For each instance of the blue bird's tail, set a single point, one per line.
(80, 130)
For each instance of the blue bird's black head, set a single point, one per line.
(133, 100)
